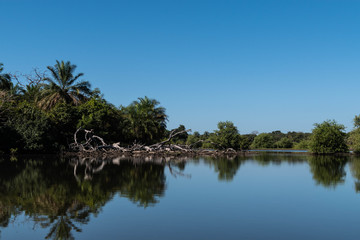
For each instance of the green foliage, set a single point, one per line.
(354, 140)
(284, 143)
(297, 137)
(13, 150)
(104, 118)
(302, 145)
(69, 104)
(64, 118)
(64, 86)
(194, 140)
(180, 138)
(5, 80)
(263, 140)
(357, 121)
(246, 140)
(354, 136)
(144, 121)
(277, 139)
(328, 137)
(227, 136)
(33, 127)
(277, 135)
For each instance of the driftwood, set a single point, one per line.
(93, 144)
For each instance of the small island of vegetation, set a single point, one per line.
(41, 111)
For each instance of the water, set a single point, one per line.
(260, 196)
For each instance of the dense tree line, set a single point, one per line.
(41, 111)
(43, 114)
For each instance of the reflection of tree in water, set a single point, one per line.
(328, 170)
(47, 192)
(264, 159)
(226, 167)
(142, 180)
(355, 171)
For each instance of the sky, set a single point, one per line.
(264, 65)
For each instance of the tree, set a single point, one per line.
(8, 90)
(33, 126)
(246, 140)
(303, 144)
(263, 140)
(145, 121)
(181, 138)
(277, 135)
(105, 119)
(194, 140)
(64, 86)
(328, 137)
(5, 80)
(284, 143)
(354, 140)
(354, 136)
(227, 136)
(357, 121)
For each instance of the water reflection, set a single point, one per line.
(225, 167)
(328, 170)
(265, 159)
(355, 171)
(47, 191)
(61, 195)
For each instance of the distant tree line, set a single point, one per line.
(40, 112)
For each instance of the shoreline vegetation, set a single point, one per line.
(56, 111)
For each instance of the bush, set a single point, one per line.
(328, 137)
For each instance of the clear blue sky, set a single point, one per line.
(265, 65)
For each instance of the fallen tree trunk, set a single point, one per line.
(90, 143)
(93, 143)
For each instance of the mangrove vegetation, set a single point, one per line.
(41, 111)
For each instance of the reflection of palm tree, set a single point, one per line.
(63, 86)
(46, 192)
(61, 229)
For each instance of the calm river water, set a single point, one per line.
(259, 196)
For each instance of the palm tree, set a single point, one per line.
(5, 80)
(146, 120)
(63, 86)
(32, 93)
(8, 91)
